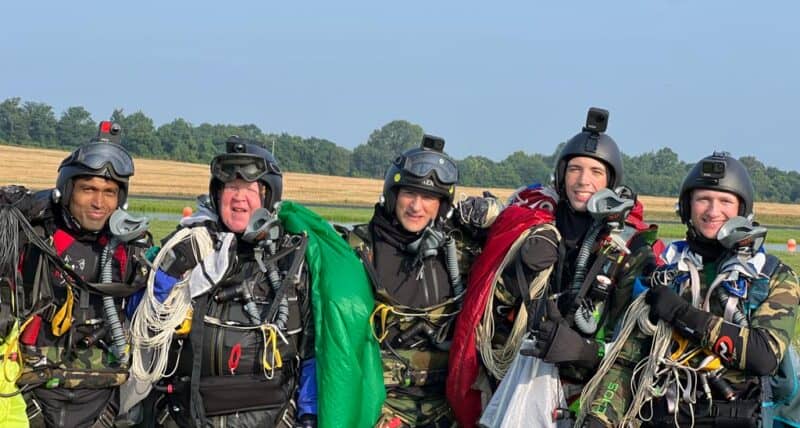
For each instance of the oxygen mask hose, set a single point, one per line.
(264, 228)
(274, 277)
(118, 342)
(124, 228)
(452, 267)
(582, 261)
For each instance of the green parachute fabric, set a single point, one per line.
(350, 387)
(12, 407)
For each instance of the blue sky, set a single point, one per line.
(490, 77)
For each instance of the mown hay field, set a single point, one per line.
(36, 169)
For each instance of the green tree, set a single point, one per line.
(475, 170)
(41, 123)
(75, 127)
(529, 168)
(383, 146)
(177, 141)
(14, 125)
(139, 136)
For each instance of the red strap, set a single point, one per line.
(233, 359)
(395, 422)
(31, 332)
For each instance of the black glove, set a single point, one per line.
(16, 196)
(667, 305)
(34, 206)
(479, 212)
(540, 250)
(558, 343)
(307, 421)
(664, 304)
(179, 260)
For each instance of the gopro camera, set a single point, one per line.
(234, 144)
(596, 120)
(714, 169)
(433, 142)
(108, 132)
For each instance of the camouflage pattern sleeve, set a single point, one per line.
(775, 316)
(614, 394)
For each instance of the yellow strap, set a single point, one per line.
(185, 326)
(383, 310)
(682, 357)
(62, 320)
(12, 348)
(271, 341)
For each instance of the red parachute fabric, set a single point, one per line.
(463, 362)
(533, 206)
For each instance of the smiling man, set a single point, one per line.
(407, 247)
(737, 333)
(262, 291)
(93, 200)
(75, 340)
(589, 162)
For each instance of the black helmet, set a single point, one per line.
(104, 157)
(426, 168)
(247, 160)
(593, 143)
(720, 172)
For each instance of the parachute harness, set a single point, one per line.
(665, 367)
(270, 333)
(381, 313)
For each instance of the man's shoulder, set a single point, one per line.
(357, 236)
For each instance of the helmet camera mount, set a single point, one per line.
(596, 124)
(432, 142)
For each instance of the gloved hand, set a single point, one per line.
(664, 304)
(667, 305)
(31, 205)
(479, 211)
(307, 420)
(180, 259)
(540, 249)
(18, 196)
(558, 343)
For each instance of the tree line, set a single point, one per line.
(657, 173)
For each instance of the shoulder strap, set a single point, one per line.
(771, 265)
(300, 251)
(197, 409)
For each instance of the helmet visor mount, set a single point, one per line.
(249, 167)
(96, 156)
(422, 163)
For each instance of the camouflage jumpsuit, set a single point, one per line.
(776, 315)
(414, 339)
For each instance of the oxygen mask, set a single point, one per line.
(124, 227)
(263, 226)
(611, 207)
(740, 234)
(428, 244)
